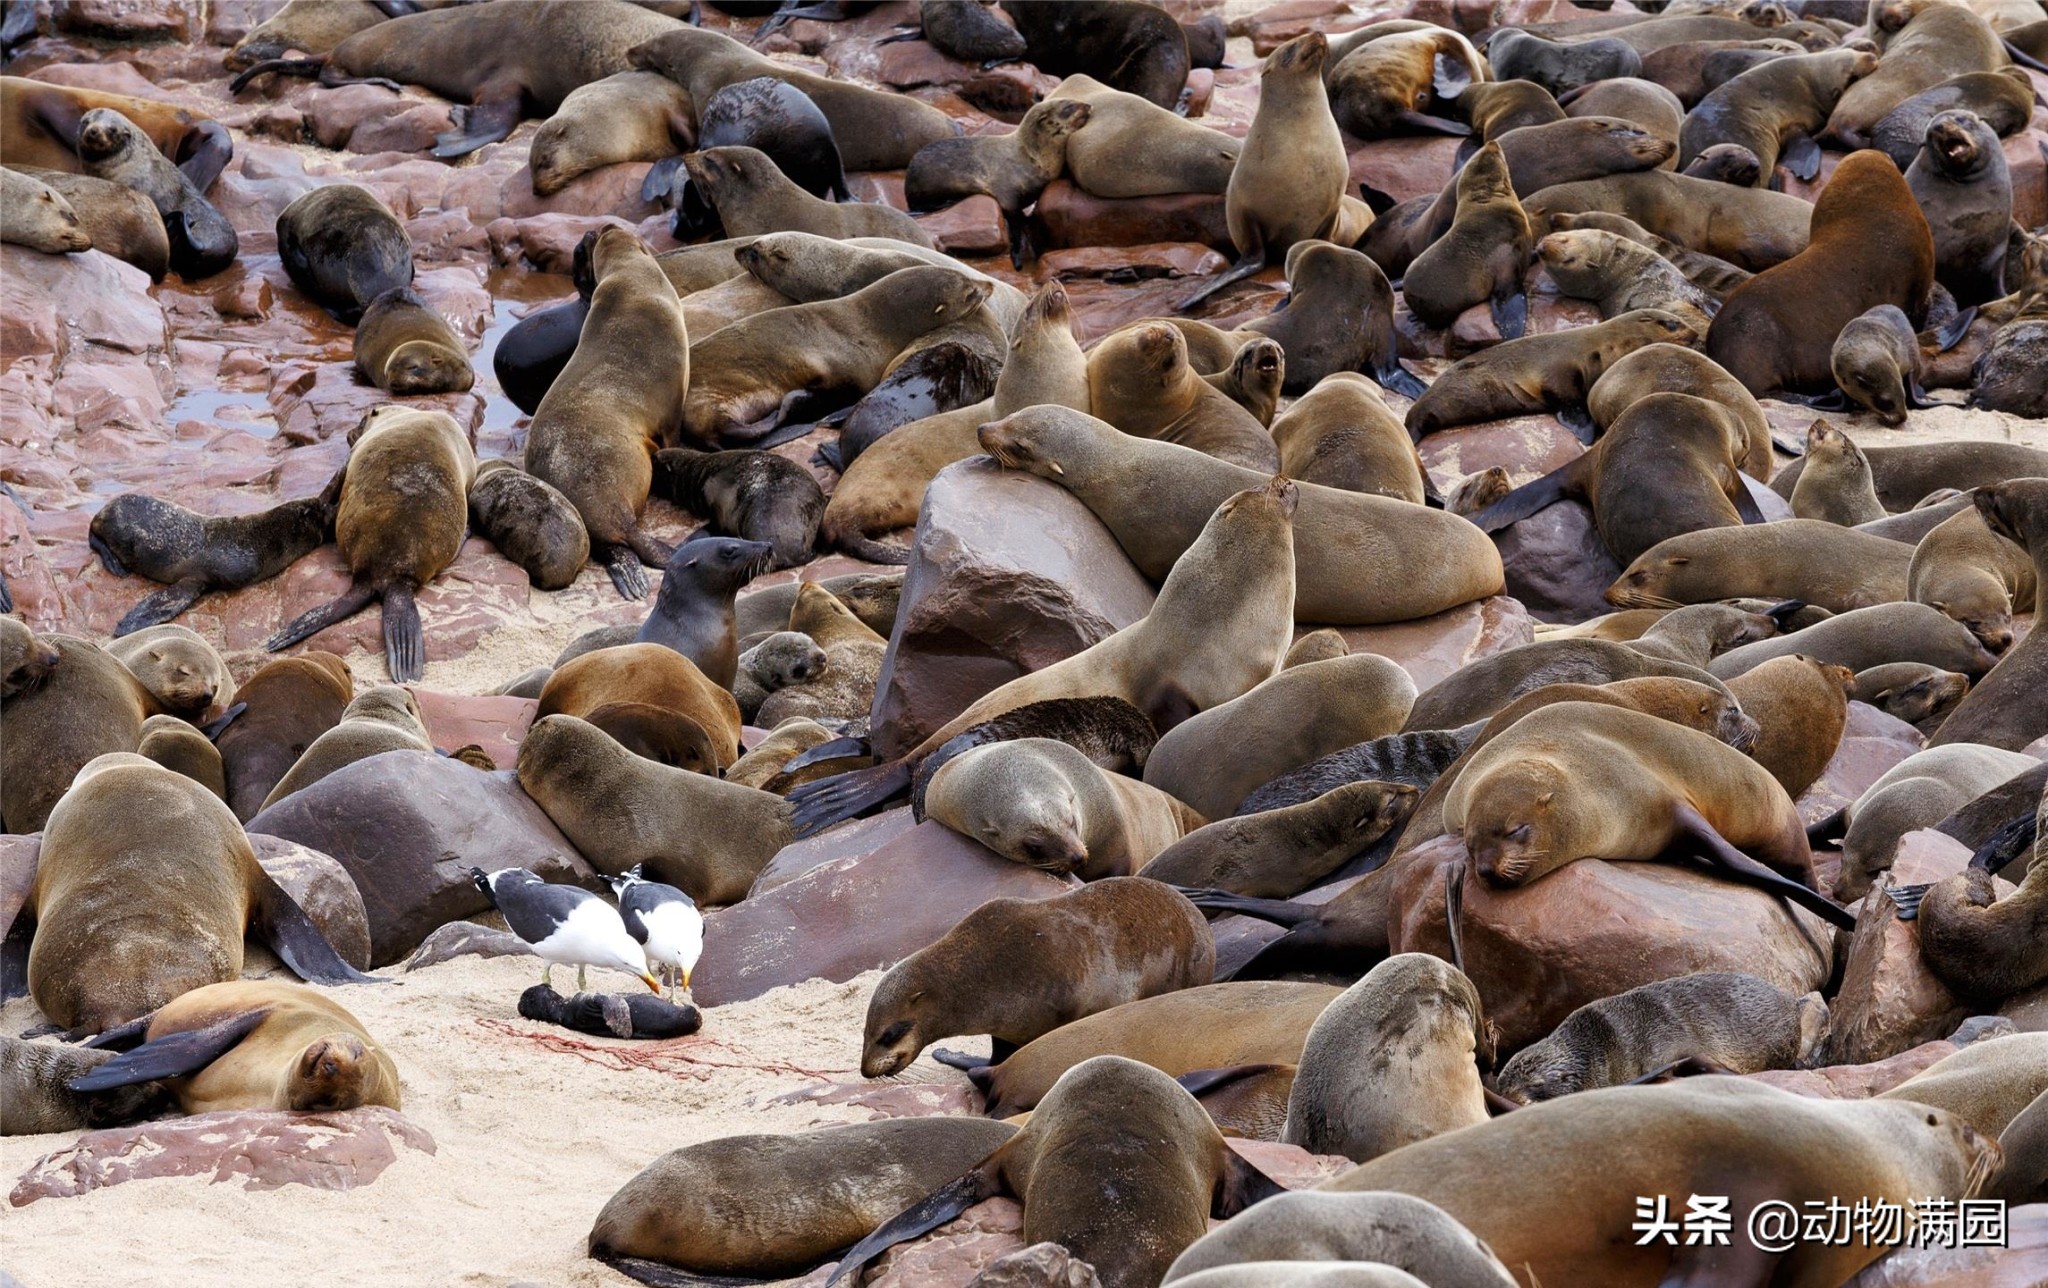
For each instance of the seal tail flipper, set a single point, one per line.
(864, 547)
(1527, 499)
(1829, 827)
(2008, 843)
(312, 622)
(787, 432)
(921, 1217)
(172, 1056)
(624, 566)
(281, 923)
(1279, 912)
(160, 606)
(1801, 155)
(1019, 228)
(2022, 57)
(1952, 331)
(1715, 849)
(831, 749)
(282, 66)
(1396, 378)
(1309, 948)
(1745, 500)
(662, 1275)
(217, 726)
(1511, 312)
(830, 800)
(1252, 261)
(489, 119)
(1431, 124)
(122, 1037)
(405, 642)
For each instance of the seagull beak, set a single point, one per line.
(653, 984)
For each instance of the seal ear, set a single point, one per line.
(1241, 1185)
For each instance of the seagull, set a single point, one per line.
(664, 920)
(562, 924)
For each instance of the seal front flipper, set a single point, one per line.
(831, 749)
(277, 919)
(1832, 400)
(924, 1216)
(204, 152)
(1431, 124)
(1579, 421)
(662, 1275)
(1745, 501)
(1801, 155)
(160, 606)
(1531, 497)
(122, 1037)
(831, 800)
(1715, 849)
(490, 118)
(1252, 261)
(2007, 844)
(1380, 202)
(1019, 229)
(1510, 308)
(1828, 827)
(313, 621)
(1952, 331)
(1280, 912)
(173, 1056)
(658, 187)
(1396, 378)
(14, 955)
(624, 566)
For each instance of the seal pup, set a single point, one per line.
(1517, 55)
(286, 705)
(1338, 316)
(1750, 228)
(774, 118)
(250, 1044)
(530, 523)
(1109, 731)
(564, 926)
(1011, 168)
(2003, 98)
(1481, 258)
(1411, 759)
(793, 1199)
(1876, 362)
(1963, 185)
(377, 720)
(1289, 180)
(1621, 276)
(1920, 791)
(2005, 709)
(1482, 687)
(1134, 148)
(136, 842)
(627, 116)
(1384, 78)
(1773, 108)
(752, 196)
(42, 121)
(401, 518)
(112, 147)
(965, 29)
(1126, 1191)
(1305, 1226)
(1919, 694)
(780, 660)
(1737, 1023)
(67, 701)
(693, 612)
(35, 1075)
(619, 400)
(844, 688)
(1974, 575)
(405, 348)
(1340, 434)
(188, 678)
(1865, 637)
(755, 496)
(35, 215)
(1133, 48)
(192, 554)
(1107, 943)
(1422, 1022)
(1278, 853)
(343, 248)
(653, 700)
(611, 1015)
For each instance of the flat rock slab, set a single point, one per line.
(271, 1148)
(1431, 648)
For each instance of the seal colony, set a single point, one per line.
(1137, 606)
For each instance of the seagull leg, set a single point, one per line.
(579, 977)
(547, 974)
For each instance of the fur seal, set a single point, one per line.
(1699, 633)
(1973, 575)
(1140, 381)
(1153, 496)
(1903, 475)
(114, 148)
(1056, 960)
(185, 674)
(969, 30)
(309, 26)
(1920, 791)
(1304, 1226)
(1385, 78)
(41, 122)
(1278, 853)
(35, 215)
(1876, 363)
(1750, 228)
(1870, 246)
(1820, 563)
(755, 496)
(1298, 716)
(854, 655)
(1933, 43)
(1341, 435)
(752, 196)
(1962, 184)
(181, 748)
(1802, 709)
(2005, 709)
(709, 839)
(1493, 108)
(379, 719)
(1777, 105)
(776, 119)
(1537, 373)
(1517, 55)
(38, 1099)
(67, 702)
(1482, 256)
(1131, 47)
(119, 220)
(1737, 1022)
(286, 706)
(808, 268)
(1109, 731)
(192, 554)
(1253, 379)
(2003, 98)
(2009, 376)
(158, 853)
(1980, 945)
(693, 612)
(405, 348)
(1012, 168)
(627, 116)
(344, 248)
(1570, 1223)
(1621, 276)
(1236, 579)
(1418, 1023)
(1290, 177)
(1484, 686)
(1118, 1164)
(618, 400)
(789, 1201)
(1134, 148)
(1865, 637)
(654, 701)
(530, 523)
(251, 1044)
(401, 519)
(782, 659)
(1729, 163)
(1919, 694)
(1673, 368)
(1339, 316)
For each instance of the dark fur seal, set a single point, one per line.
(693, 613)
(530, 523)
(1962, 183)
(1537, 373)
(1012, 168)
(2004, 99)
(191, 554)
(1414, 759)
(114, 148)
(286, 706)
(1338, 316)
(970, 31)
(343, 248)
(756, 496)
(611, 1015)
(1776, 107)
(2009, 707)
(1481, 257)
(1125, 44)
(1109, 731)
(1276, 854)
(1517, 55)
(1919, 694)
(775, 118)
(35, 1097)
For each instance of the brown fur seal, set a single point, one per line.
(618, 401)
(1339, 316)
(1737, 1022)
(1118, 1164)
(1750, 228)
(1920, 791)
(2005, 709)
(1341, 435)
(1580, 1154)
(35, 215)
(1870, 246)
(1012, 168)
(402, 517)
(192, 554)
(1821, 563)
(1982, 946)
(1933, 43)
(1486, 685)
(789, 1200)
(755, 496)
(1289, 180)
(1392, 1061)
(782, 659)
(1236, 579)
(67, 701)
(708, 838)
(1492, 108)
(1729, 163)
(1133, 148)
(252, 1044)
(1537, 373)
(1715, 276)
(753, 197)
(1306, 1230)
(112, 147)
(627, 116)
(1698, 633)
(35, 1078)
(309, 26)
(2003, 98)
(405, 348)
(1989, 1083)
(1974, 575)
(185, 674)
(844, 689)
(1279, 853)
(377, 720)
(1253, 379)
(1481, 258)
(1903, 475)
(1779, 104)
(1962, 184)
(1055, 961)
(118, 220)
(179, 747)
(1801, 709)
(1387, 78)
(1214, 760)
(1621, 276)
(1868, 636)
(694, 613)
(1139, 380)
(1673, 368)
(1152, 496)
(702, 718)
(1876, 363)
(41, 123)
(343, 248)
(149, 848)
(530, 523)
(287, 704)
(1919, 694)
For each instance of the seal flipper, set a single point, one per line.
(1692, 1066)
(1907, 899)
(1783, 613)
(831, 800)
(313, 621)
(405, 642)
(1952, 331)
(1801, 155)
(217, 726)
(662, 1275)
(2007, 844)
(1021, 252)
(1378, 201)
(1579, 421)
(490, 118)
(1200, 1082)
(1396, 378)
(627, 575)
(2022, 57)
(108, 559)
(160, 606)
(924, 1216)
(1745, 502)
(14, 955)
(1792, 446)
(659, 184)
(1510, 310)
(1279, 912)
(831, 749)
(282, 66)
(1241, 1185)
(1431, 124)
(1828, 827)
(1715, 849)
(1531, 497)
(960, 1060)
(175, 1055)
(1251, 262)
(122, 1037)
(276, 918)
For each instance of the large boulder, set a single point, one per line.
(1008, 574)
(1593, 929)
(408, 826)
(1068, 215)
(1557, 564)
(850, 840)
(324, 888)
(1858, 1081)
(497, 724)
(1431, 648)
(860, 913)
(1872, 742)
(2018, 1264)
(53, 304)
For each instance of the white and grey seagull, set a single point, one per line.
(563, 925)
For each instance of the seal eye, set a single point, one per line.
(1518, 834)
(894, 1033)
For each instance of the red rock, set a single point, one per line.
(1556, 563)
(1008, 574)
(544, 242)
(324, 889)
(133, 19)
(326, 402)
(17, 874)
(849, 840)
(911, 63)
(1200, 88)
(609, 190)
(2029, 169)
(108, 78)
(1872, 742)
(970, 227)
(1858, 1081)
(446, 236)
(1127, 263)
(1430, 648)
(333, 114)
(272, 1148)
(1068, 216)
(230, 20)
(889, 1099)
(241, 297)
(1405, 166)
(1593, 929)
(2019, 1264)
(51, 303)
(956, 1252)
(1042, 1265)
(496, 724)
